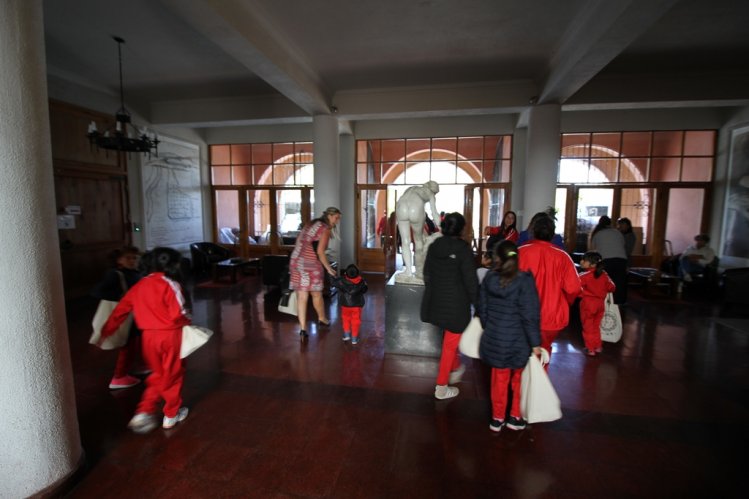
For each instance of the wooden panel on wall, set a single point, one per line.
(68, 125)
(95, 182)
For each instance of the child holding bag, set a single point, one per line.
(510, 315)
(596, 285)
(122, 276)
(160, 311)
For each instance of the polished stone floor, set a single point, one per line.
(661, 414)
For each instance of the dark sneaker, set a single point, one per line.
(514, 423)
(346, 336)
(355, 340)
(496, 425)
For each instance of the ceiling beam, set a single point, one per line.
(244, 31)
(600, 32)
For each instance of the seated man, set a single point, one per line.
(696, 257)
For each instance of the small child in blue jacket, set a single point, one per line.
(352, 287)
(510, 314)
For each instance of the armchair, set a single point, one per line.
(205, 254)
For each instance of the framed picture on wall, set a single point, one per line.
(736, 232)
(172, 200)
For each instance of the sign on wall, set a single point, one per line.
(171, 195)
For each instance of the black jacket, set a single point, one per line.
(110, 288)
(352, 292)
(450, 284)
(511, 319)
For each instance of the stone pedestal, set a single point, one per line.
(404, 331)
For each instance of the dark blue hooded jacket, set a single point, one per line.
(511, 319)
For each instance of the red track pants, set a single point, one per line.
(161, 353)
(127, 355)
(351, 317)
(591, 314)
(501, 378)
(449, 360)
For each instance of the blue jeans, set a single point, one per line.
(687, 266)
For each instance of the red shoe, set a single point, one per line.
(599, 350)
(123, 382)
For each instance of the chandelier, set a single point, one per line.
(124, 136)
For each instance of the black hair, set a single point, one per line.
(166, 260)
(596, 260)
(505, 261)
(502, 224)
(702, 237)
(625, 221)
(603, 223)
(453, 224)
(543, 228)
(352, 271)
(120, 252)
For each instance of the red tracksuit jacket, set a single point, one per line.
(556, 281)
(156, 301)
(596, 288)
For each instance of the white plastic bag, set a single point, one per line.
(611, 323)
(193, 337)
(119, 337)
(539, 402)
(471, 338)
(287, 304)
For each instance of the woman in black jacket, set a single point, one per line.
(510, 315)
(451, 287)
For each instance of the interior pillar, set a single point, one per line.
(349, 239)
(542, 159)
(38, 426)
(327, 168)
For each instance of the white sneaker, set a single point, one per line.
(687, 277)
(442, 392)
(142, 423)
(457, 375)
(170, 422)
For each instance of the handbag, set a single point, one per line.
(611, 323)
(471, 338)
(193, 337)
(119, 338)
(287, 305)
(539, 401)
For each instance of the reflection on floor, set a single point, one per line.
(661, 414)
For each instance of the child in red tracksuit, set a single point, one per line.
(352, 287)
(596, 284)
(160, 311)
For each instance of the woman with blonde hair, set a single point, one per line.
(308, 264)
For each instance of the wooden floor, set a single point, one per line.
(661, 414)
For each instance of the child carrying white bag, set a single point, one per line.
(510, 314)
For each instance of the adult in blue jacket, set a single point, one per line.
(510, 315)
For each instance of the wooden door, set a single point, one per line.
(91, 191)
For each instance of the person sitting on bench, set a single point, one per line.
(696, 257)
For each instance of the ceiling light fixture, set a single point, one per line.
(125, 136)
